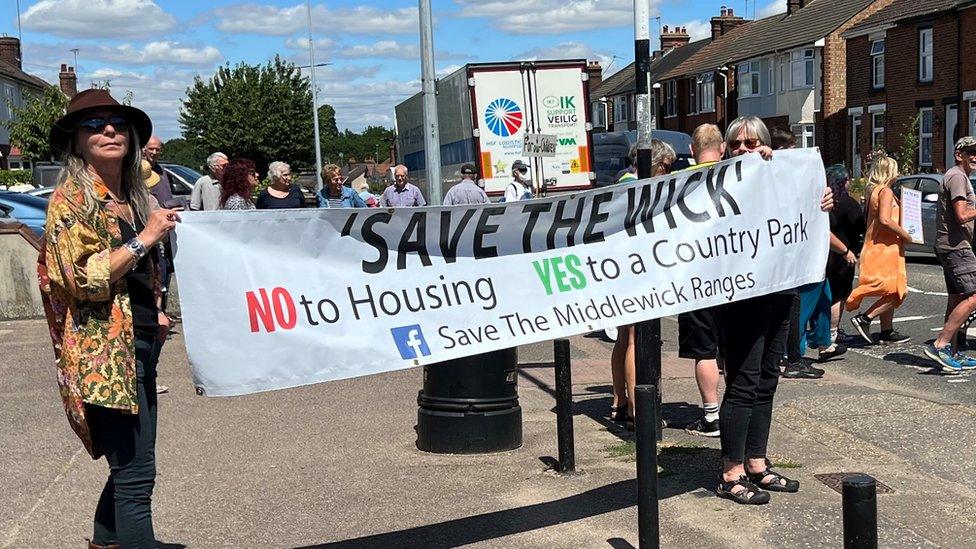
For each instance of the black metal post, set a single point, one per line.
(648, 533)
(564, 406)
(860, 512)
(647, 343)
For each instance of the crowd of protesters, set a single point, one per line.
(108, 252)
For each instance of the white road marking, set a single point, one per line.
(912, 318)
(957, 380)
(917, 291)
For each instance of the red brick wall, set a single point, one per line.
(968, 71)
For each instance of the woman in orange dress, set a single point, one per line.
(882, 272)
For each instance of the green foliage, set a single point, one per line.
(374, 140)
(907, 157)
(856, 187)
(31, 124)
(258, 112)
(10, 178)
(179, 151)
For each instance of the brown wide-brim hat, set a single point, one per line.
(92, 100)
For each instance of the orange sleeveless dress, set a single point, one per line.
(882, 257)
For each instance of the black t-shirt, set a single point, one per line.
(142, 297)
(295, 199)
(847, 224)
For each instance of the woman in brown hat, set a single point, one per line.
(101, 290)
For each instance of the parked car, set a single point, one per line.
(928, 184)
(43, 192)
(29, 210)
(611, 150)
(181, 181)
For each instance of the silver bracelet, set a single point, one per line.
(136, 248)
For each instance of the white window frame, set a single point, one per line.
(749, 72)
(620, 110)
(8, 100)
(925, 135)
(671, 99)
(706, 92)
(926, 42)
(878, 64)
(783, 60)
(599, 114)
(802, 60)
(805, 135)
(771, 76)
(692, 95)
(877, 130)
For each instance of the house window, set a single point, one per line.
(599, 114)
(877, 63)
(692, 95)
(8, 103)
(877, 130)
(801, 65)
(671, 98)
(620, 110)
(749, 79)
(782, 74)
(804, 135)
(770, 81)
(925, 137)
(706, 92)
(925, 55)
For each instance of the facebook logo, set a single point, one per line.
(410, 341)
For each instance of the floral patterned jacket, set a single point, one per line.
(90, 318)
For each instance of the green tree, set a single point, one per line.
(907, 157)
(31, 124)
(180, 151)
(259, 112)
(328, 133)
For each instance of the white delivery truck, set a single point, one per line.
(485, 111)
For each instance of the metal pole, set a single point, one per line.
(860, 512)
(315, 101)
(432, 138)
(20, 34)
(648, 532)
(564, 406)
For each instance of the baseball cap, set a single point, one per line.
(468, 169)
(518, 165)
(968, 142)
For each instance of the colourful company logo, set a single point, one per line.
(503, 117)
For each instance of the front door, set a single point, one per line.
(951, 120)
(856, 146)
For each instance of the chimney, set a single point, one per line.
(726, 21)
(69, 80)
(793, 6)
(10, 50)
(673, 38)
(594, 73)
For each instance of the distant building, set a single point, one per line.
(15, 87)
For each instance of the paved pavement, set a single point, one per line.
(335, 465)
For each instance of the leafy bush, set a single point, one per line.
(10, 178)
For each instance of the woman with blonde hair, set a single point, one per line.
(882, 273)
(334, 194)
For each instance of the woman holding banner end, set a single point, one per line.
(99, 278)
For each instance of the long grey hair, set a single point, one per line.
(133, 188)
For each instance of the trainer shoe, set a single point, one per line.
(944, 357)
(893, 337)
(862, 324)
(968, 362)
(833, 351)
(704, 428)
(801, 370)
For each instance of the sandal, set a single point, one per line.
(778, 483)
(750, 494)
(618, 414)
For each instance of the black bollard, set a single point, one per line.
(564, 406)
(860, 512)
(647, 348)
(646, 426)
(470, 405)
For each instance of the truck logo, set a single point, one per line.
(564, 102)
(503, 117)
(567, 140)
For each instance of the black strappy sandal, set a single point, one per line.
(778, 483)
(749, 495)
(618, 414)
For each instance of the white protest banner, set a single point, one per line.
(911, 214)
(282, 298)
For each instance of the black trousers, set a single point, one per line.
(793, 351)
(754, 333)
(124, 512)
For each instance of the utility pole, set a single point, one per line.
(432, 137)
(647, 335)
(20, 34)
(315, 101)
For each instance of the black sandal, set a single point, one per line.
(778, 483)
(749, 495)
(618, 414)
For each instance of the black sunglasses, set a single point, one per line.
(98, 125)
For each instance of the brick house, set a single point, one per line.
(930, 80)
(15, 87)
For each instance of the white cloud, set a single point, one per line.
(697, 29)
(442, 72)
(98, 18)
(301, 44)
(383, 48)
(362, 104)
(567, 50)
(274, 20)
(552, 16)
(772, 8)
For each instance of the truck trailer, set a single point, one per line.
(485, 111)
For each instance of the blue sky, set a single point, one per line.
(155, 48)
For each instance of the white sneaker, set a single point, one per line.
(611, 333)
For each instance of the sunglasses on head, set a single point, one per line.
(97, 125)
(749, 143)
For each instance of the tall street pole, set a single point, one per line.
(647, 335)
(315, 101)
(432, 137)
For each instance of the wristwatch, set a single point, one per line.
(136, 248)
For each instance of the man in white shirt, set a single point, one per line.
(206, 191)
(521, 186)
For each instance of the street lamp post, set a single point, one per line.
(315, 101)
